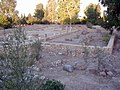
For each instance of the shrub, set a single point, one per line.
(17, 69)
(36, 49)
(53, 85)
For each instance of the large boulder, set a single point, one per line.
(68, 68)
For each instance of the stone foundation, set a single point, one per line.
(77, 50)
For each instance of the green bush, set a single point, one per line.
(53, 85)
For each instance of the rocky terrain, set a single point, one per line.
(97, 72)
(72, 72)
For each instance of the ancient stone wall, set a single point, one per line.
(77, 50)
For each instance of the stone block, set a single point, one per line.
(68, 68)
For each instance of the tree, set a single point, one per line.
(92, 13)
(16, 18)
(7, 7)
(4, 21)
(30, 19)
(68, 10)
(23, 19)
(39, 11)
(50, 12)
(112, 13)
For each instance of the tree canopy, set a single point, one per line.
(23, 19)
(7, 7)
(113, 12)
(68, 10)
(50, 13)
(30, 19)
(8, 13)
(4, 21)
(92, 12)
(39, 11)
(61, 11)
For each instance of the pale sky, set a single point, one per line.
(28, 6)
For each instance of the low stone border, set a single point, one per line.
(111, 44)
(62, 34)
(77, 50)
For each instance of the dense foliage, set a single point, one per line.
(112, 13)
(4, 22)
(60, 11)
(68, 11)
(23, 19)
(7, 7)
(31, 19)
(39, 12)
(50, 13)
(53, 85)
(8, 13)
(93, 13)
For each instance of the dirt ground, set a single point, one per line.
(51, 65)
(78, 79)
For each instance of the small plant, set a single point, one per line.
(85, 52)
(36, 49)
(99, 55)
(106, 38)
(53, 85)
